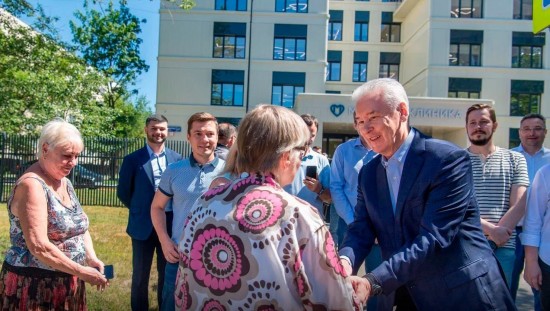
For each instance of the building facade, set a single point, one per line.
(227, 56)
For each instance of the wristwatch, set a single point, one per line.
(375, 288)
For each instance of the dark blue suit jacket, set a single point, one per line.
(136, 189)
(433, 244)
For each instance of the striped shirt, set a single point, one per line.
(493, 180)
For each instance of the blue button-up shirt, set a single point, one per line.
(347, 161)
(394, 167)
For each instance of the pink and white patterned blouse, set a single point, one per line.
(250, 245)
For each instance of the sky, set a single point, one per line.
(146, 84)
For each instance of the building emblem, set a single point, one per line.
(337, 109)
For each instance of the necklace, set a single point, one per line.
(53, 181)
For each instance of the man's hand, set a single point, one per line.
(532, 274)
(500, 235)
(312, 184)
(361, 287)
(347, 266)
(170, 251)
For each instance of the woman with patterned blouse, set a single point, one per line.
(248, 244)
(51, 253)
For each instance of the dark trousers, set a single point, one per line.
(142, 259)
(403, 300)
(545, 287)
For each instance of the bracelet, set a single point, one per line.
(321, 191)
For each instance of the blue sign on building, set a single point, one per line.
(174, 128)
(545, 3)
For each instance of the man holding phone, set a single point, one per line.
(312, 180)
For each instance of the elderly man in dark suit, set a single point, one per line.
(417, 198)
(138, 180)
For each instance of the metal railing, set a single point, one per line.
(95, 177)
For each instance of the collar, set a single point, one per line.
(359, 144)
(151, 153)
(401, 153)
(520, 149)
(194, 162)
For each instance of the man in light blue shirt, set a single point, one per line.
(315, 191)
(184, 182)
(532, 133)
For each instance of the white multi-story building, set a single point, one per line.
(227, 56)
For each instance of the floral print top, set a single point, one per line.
(66, 228)
(249, 245)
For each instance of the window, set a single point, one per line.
(229, 40)
(527, 49)
(389, 65)
(360, 62)
(513, 138)
(464, 88)
(335, 25)
(523, 9)
(390, 31)
(525, 97)
(291, 6)
(290, 42)
(227, 87)
(332, 92)
(465, 48)
(231, 5)
(286, 85)
(467, 8)
(361, 26)
(334, 60)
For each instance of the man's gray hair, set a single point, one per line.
(393, 91)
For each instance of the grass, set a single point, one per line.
(113, 246)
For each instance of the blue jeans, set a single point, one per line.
(169, 288)
(506, 257)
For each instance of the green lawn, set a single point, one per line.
(113, 246)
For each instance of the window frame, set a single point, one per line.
(359, 32)
(520, 4)
(288, 3)
(282, 88)
(391, 26)
(463, 4)
(237, 2)
(235, 46)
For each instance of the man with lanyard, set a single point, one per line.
(314, 190)
(532, 133)
(138, 180)
(183, 182)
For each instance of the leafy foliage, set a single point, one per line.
(109, 41)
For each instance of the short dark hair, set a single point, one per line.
(309, 119)
(475, 107)
(155, 118)
(226, 130)
(533, 116)
(201, 117)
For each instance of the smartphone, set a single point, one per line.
(109, 271)
(311, 171)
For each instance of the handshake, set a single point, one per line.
(363, 287)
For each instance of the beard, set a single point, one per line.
(152, 140)
(481, 141)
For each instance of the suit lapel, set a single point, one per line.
(411, 168)
(146, 164)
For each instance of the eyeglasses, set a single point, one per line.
(302, 150)
(529, 129)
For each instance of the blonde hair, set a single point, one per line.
(265, 133)
(59, 132)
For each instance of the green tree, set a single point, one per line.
(109, 41)
(39, 81)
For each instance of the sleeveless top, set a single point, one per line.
(66, 229)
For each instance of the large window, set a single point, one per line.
(523, 9)
(465, 48)
(335, 22)
(467, 8)
(227, 87)
(334, 66)
(464, 88)
(525, 97)
(527, 49)
(231, 5)
(390, 31)
(290, 42)
(361, 26)
(360, 64)
(291, 6)
(389, 65)
(286, 85)
(513, 138)
(229, 40)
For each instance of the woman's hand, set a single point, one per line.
(93, 276)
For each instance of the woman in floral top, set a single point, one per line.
(249, 245)
(51, 253)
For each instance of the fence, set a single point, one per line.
(95, 177)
